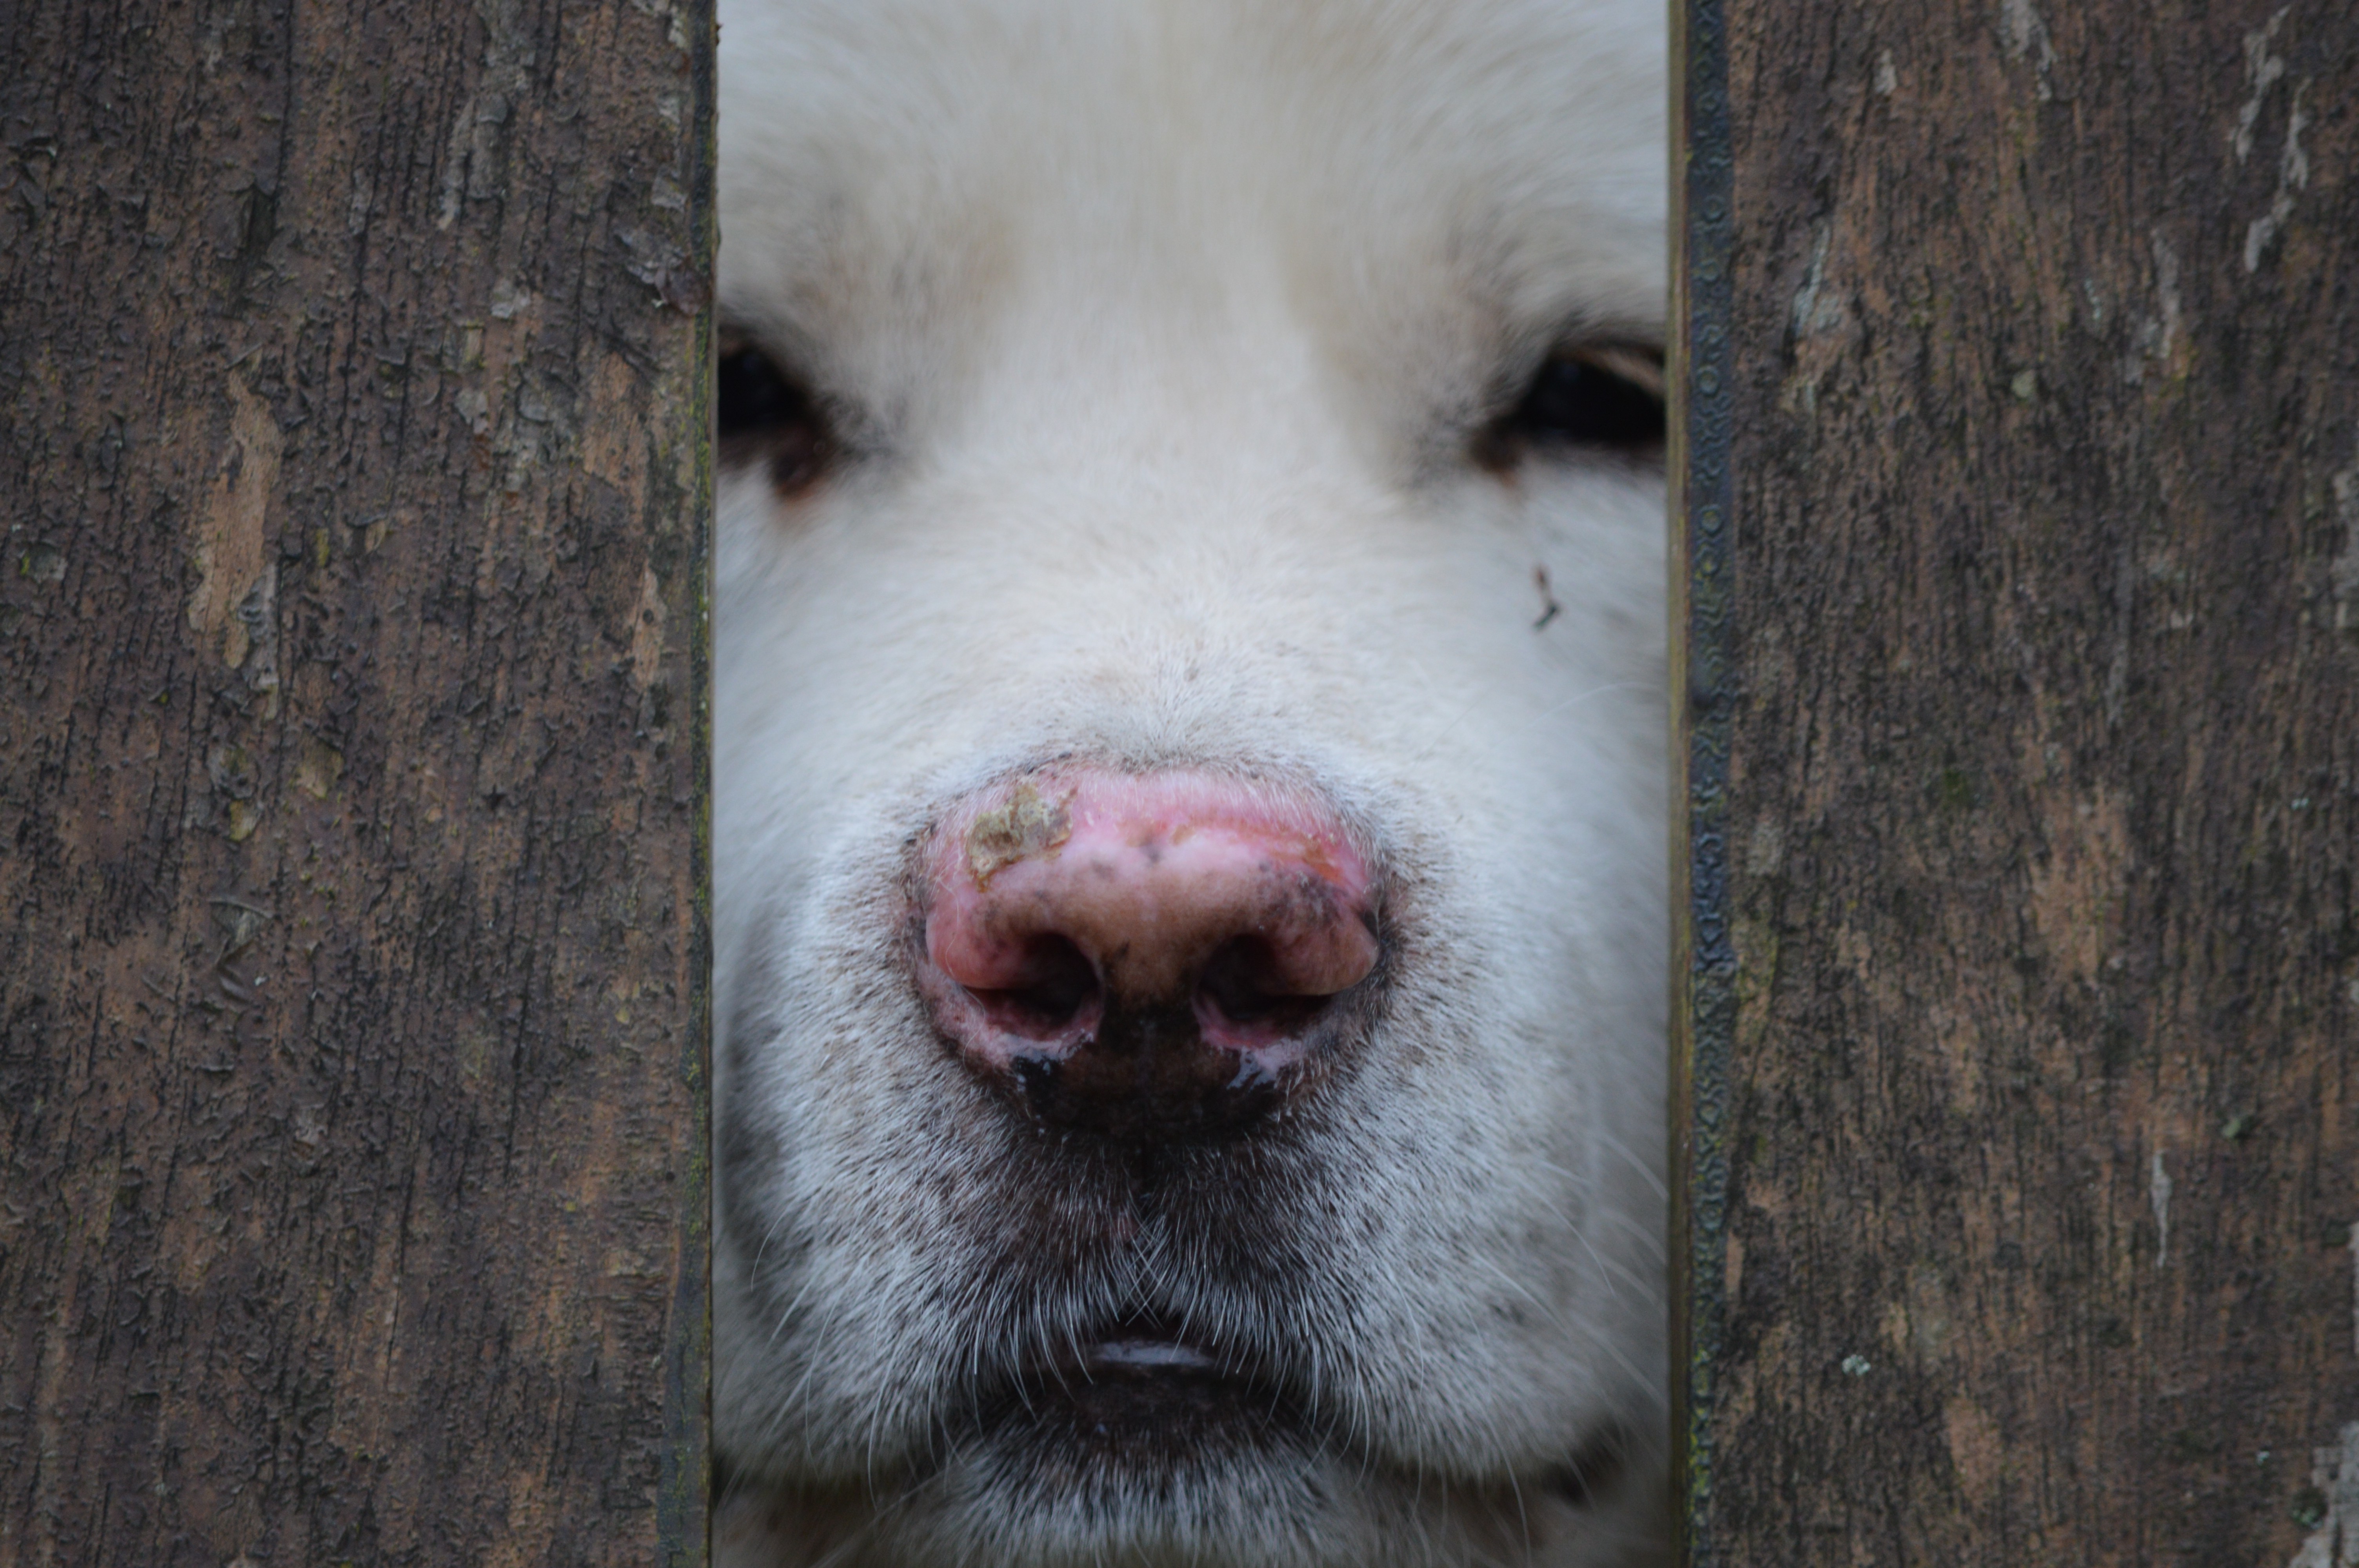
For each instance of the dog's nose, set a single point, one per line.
(1150, 957)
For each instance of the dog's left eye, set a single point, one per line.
(764, 413)
(1607, 398)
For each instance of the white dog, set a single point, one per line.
(1191, 782)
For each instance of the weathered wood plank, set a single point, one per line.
(352, 628)
(2023, 1014)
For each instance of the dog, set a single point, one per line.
(1191, 748)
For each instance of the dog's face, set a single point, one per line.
(1190, 781)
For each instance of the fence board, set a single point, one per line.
(2021, 1017)
(352, 627)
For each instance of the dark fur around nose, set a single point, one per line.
(1145, 1077)
(1147, 960)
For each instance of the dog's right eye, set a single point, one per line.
(766, 415)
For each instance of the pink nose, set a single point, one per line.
(1145, 956)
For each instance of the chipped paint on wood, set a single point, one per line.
(231, 550)
(2333, 1501)
(2293, 178)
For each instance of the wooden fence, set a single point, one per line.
(352, 632)
(2020, 1035)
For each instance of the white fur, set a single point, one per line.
(1156, 331)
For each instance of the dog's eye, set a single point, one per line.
(764, 415)
(1603, 398)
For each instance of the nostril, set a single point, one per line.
(1054, 982)
(1244, 983)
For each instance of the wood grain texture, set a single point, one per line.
(351, 628)
(2022, 1011)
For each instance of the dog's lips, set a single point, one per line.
(1142, 1357)
(1145, 1346)
(1142, 1389)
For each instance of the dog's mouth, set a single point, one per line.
(1145, 1356)
(1143, 1393)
